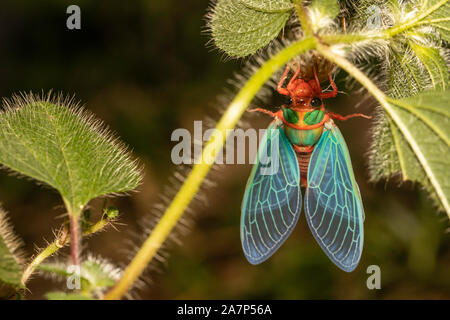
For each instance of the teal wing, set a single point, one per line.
(333, 205)
(272, 200)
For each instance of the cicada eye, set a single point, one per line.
(316, 102)
(290, 101)
(287, 101)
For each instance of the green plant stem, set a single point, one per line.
(75, 239)
(44, 254)
(354, 72)
(302, 17)
(199, 171)
(62, 240)
(349, 38)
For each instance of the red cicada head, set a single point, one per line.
(305, 94)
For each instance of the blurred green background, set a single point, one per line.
(144, 68)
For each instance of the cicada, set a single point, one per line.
(305, 149)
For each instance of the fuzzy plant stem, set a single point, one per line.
(75, 240)
(62, 240)
(199, 171)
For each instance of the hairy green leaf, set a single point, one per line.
(433, 63)
(421, 18)
(10, 258)
(326, 8)
(417, 141)
(59, 295)
(241, 28)
(269, 5)
(437, 14)
(98, 275)
(95, 275)
(415, 64)
(416, 67)
(65, 147)
(420, 15)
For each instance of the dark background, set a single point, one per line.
(145, 69)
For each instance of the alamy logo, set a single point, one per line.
(188, 150)
(374, 20)
(74, 20)
(73, 281)
(374, 280)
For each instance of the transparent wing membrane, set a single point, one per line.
(333, 205)
(272, 200)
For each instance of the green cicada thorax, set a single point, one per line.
(290, 115)
(313, 117)
(300, 119)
